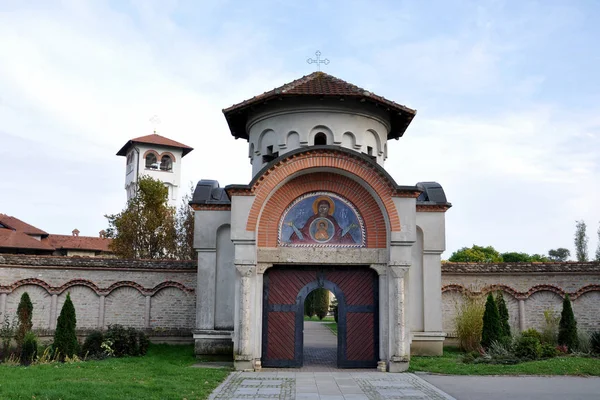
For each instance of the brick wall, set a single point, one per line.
(156, 295)
(528, 288)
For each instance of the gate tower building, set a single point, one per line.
(320, 211)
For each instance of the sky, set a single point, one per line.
(507, 93)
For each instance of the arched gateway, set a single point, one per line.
(319, 212)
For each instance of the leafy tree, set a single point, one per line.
(184, 225)
(567, 327)
(538, 258)
(581, 241)
(516, 257)
(24, 313)
(504, 316)
(476, 254)
(146, 227)
(322, 304)
(491, 323)
(560, 255)
(598, 247)
(65, 339)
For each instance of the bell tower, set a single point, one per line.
(156, 156)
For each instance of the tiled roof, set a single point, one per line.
(19, 240)
(322, 85)
(20, 226)
(155, 139)
(70, 242)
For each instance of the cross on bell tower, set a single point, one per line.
(318, 60)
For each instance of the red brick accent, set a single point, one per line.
(211, 207)
(432, 208)
(520, 295)
(375, 229)
(151, 152)
(325, 158)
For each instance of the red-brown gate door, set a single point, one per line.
(286, 288)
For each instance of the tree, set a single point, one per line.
(504, 316)
(65, 339)
(567, 327)
(598, 246)
(184, 225)
(581, 241)
(476, 254)
(515, 257)
(146, 227)
(322, 303)
(491, 323)
(560, 255)
(309, 308)
(24, 314)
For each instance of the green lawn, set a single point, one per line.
(332, 326)
(450, 363)
(164, 373)
(315, 318)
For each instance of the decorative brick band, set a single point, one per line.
(211, 207)
(99, 291)
(375, 228)
(312, 162)
(432, 208)
(520, 295)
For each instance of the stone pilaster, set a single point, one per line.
(382, 271)
(522, 316)
(243, 359)
(2, 304)
(147, 310)
(400, 357)
(53, 311)
(101, 312)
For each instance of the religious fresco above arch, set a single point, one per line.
(321, 219)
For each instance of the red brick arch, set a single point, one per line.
(375, 228)
(325, 158)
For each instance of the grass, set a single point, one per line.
(332, 326)
(450, 363)
(163, 373)
(315, 318)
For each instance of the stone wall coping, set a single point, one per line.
(20, 260)
(568, 267)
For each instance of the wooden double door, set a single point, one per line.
(286, 288)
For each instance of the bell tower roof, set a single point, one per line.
(318, 85)
(156, 140)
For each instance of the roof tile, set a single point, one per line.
(20, 226)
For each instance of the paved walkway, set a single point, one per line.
(320, 379)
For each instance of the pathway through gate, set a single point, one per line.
(286, 288)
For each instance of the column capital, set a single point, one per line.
(398, 271)
(246, 270)
(380, 268)
(434, 252)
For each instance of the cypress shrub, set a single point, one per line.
(322, 303)
(309, 308)
(567, 327)
(491, 323)
(503, 313)
(24, 313)
(29, 348)
(65, 339)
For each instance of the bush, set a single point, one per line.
(65, 339)
(24, 313)
(533, 333)
(550, 329)
(492, 328)
(528, 347)
(92, 346)
(583, 343)
(567, 327)
(468, 322)
(549, 351)
(7, 332)
(126, 341)
(504, 316)
(500, 349)
(29, 348)
(595, 342)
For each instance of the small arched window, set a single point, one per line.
(320, 139)
(166, 164)
(151, 161)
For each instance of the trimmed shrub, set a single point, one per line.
(24, 313)
(567, 327)
(528, 347)
(531, 332)
(309, 308)
(468, 322)
(92, 346)
(504, 316)
(321, 302)
(126, 341)
(65, 339)
(549, 351)
(29, 348)
(491, 323)
(595, 342)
